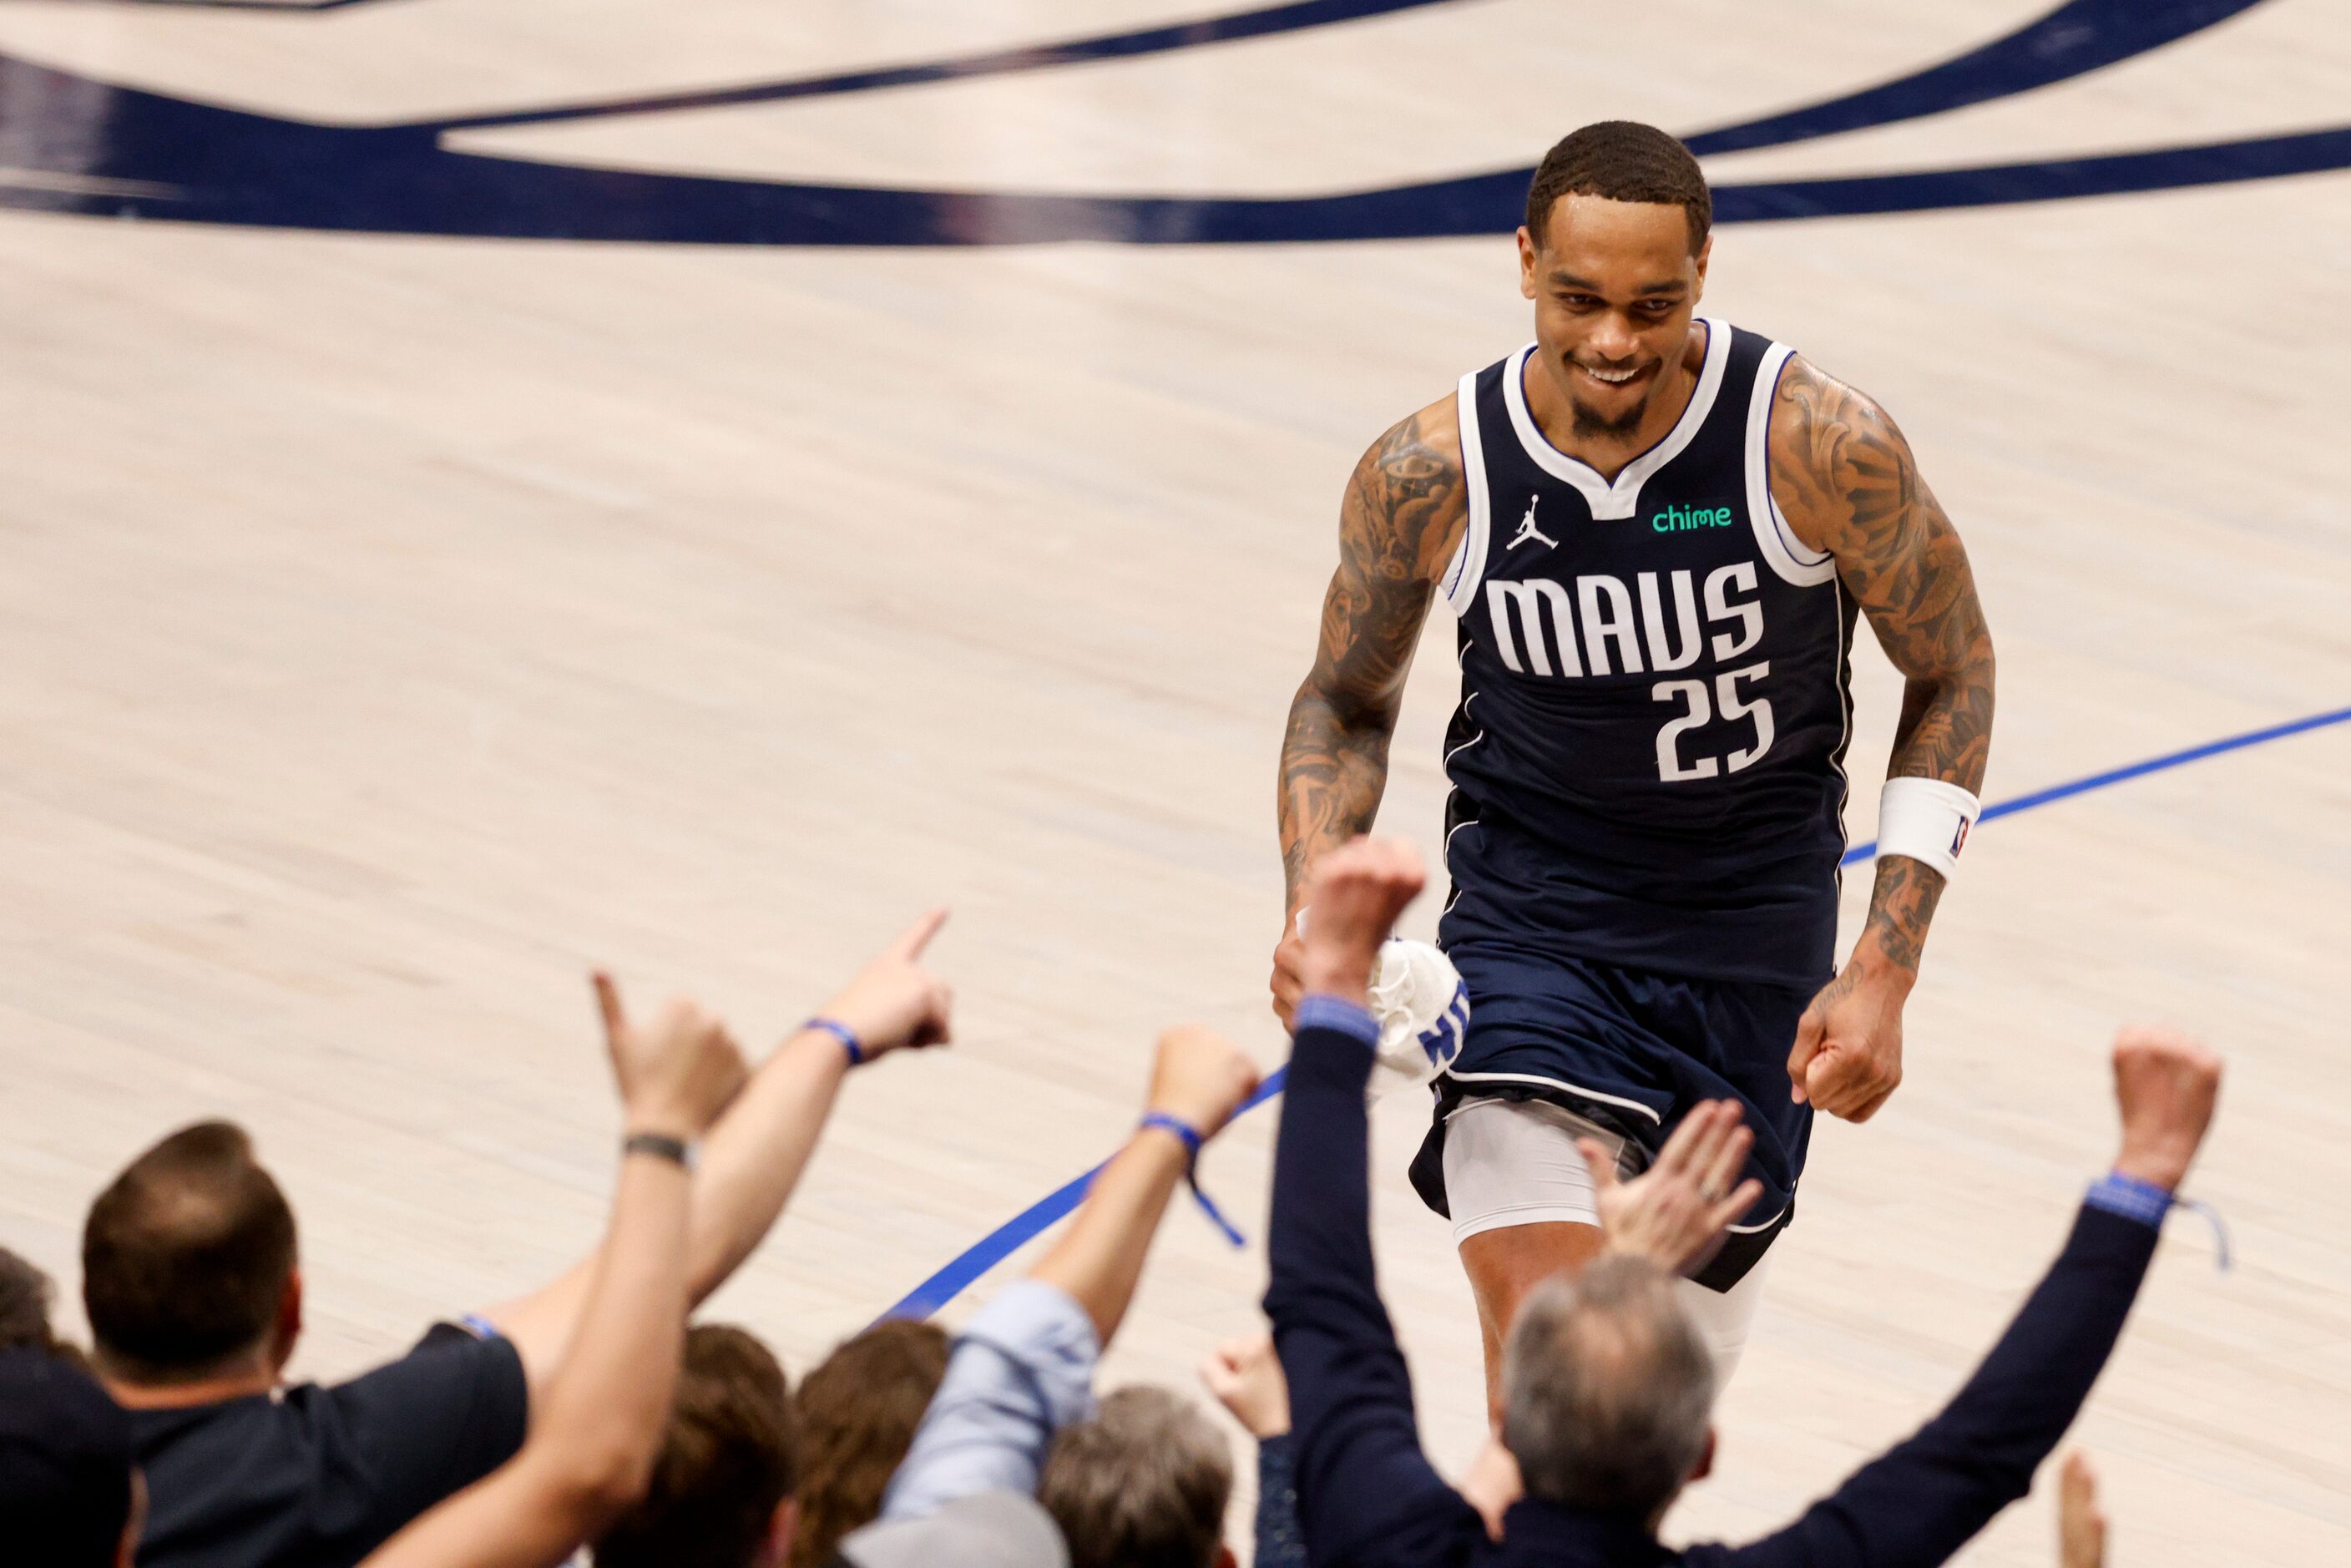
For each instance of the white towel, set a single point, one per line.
(1423, 1011)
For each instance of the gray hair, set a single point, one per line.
(1143, 1484)
(1607, 1389)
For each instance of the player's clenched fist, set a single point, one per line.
(2166, 1085)
(1848, 1060)
(1200, 1078)
(894, 1001)
(676, 1070)
(1358, 889)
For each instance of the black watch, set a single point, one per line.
(661, 1145)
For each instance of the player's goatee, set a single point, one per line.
(1590, 421)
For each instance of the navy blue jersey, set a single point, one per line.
(1648, 762)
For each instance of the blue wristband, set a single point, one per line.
(1189, 1136)
(2147, 1203)
(842, 1032)
(2130, 1198)
(1320, 1009)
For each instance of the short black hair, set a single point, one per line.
(1622, 161)
(185, 1256)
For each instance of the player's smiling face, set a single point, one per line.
(1614, 286)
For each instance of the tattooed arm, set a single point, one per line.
(1845, 479)
(1401, 519)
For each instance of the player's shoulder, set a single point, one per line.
(1429, 434)
(1840, 467)
(1814, 415)
(1409, 485)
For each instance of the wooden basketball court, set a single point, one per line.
(406, 607)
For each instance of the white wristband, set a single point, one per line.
(1927, 819)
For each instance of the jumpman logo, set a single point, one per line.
(1527, 529)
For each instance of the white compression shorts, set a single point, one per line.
(1514, 1162)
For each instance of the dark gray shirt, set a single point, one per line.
(313, 1476)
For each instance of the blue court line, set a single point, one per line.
(1023, 1228)
(2169, 759)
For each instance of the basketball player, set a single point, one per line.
(1655, 530)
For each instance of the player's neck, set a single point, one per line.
(1606, 453)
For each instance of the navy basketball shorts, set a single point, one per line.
(1631, 1051)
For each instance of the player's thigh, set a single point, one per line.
(1521, 1197)
(1505, 1266)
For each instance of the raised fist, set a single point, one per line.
(1245, 1377)
(2166, 1085)
(1200, 1078)
(1358, 889)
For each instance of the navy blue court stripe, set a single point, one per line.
(1009, 1238)
(2050, 180)
(2076, 38)
(1272, 19)
(122, 152)
(286, 5)
(2073, 40)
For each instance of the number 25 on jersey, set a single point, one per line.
(1701, 708)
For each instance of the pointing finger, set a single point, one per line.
(608, 1005)
(917, 936)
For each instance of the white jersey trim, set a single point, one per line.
(1844, 731)
(1461, 578)
(1789, 556)
(1554, 1083)
(1621, 497)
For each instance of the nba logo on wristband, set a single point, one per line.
(1928, 819)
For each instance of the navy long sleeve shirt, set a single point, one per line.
(1368, 1498)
